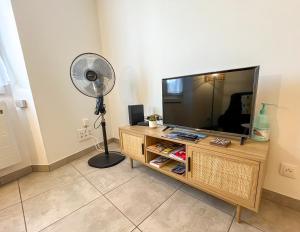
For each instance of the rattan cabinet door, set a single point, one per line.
(232, 178)
(132, 146)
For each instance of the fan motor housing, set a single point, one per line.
(91, 75)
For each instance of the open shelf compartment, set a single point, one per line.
(152, 140)
(167, 168)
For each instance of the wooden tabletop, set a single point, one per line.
(251, 149)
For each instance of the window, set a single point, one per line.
(4, 78)
(174, 87)
(12, 66)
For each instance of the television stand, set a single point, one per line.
(234, 174)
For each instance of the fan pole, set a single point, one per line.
(103, 125)
(100, 109)
(108, 158)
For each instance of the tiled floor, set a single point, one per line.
(77, 197)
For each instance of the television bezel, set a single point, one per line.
(255, 83)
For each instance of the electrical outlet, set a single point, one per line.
(288, 170)
(84, 134)
(85, 122)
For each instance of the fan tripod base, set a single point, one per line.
(103, 161)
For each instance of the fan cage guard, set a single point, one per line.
(101, 57)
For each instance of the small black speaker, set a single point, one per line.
(136, 114)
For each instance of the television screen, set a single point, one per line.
(219, 101)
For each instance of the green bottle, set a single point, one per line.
(261, 127)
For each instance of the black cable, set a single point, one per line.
(96, 127)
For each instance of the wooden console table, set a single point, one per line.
(234, 174)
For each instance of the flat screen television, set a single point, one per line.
(221, 101)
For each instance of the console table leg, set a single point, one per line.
(131, 162)
(238, 213)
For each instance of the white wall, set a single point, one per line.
(150, 40)
(52, 34)
(23, 121)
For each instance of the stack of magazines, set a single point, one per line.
(179, 154)
(173, 147)
(159, 161)
(159, 147)
(194, 137)
(179, 169)
(166, 147)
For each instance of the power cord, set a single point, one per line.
(97, 119)
(98, 146)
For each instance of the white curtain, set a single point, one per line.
(4, 78)
(8, 35)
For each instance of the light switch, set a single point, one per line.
(21, 104)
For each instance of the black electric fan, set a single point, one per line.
(94, 76)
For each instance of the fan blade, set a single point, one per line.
(99, 86)
(90, 89)
(79, 69)
(102, 69)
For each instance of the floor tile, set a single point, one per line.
(141, 195)
(82, 164)
(99, 215)
(114, 147)
(273, 217)
(11, 219)
(136, 230)
(107, 179)
(9, 195)
(209, 199)
(161, 177)
(58, 202)
(185, 213)
(39, 182)
(242, 227)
